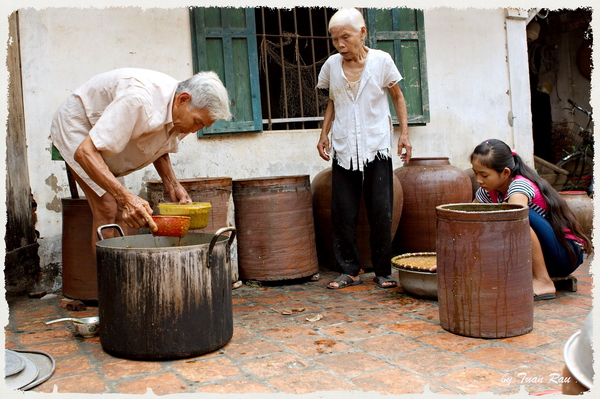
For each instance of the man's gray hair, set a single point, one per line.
(347, 17)
(207, 91)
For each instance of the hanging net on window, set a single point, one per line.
(297, 94)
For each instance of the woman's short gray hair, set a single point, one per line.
(207, 91)
(347, 17)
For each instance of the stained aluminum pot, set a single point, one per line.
(161, 300)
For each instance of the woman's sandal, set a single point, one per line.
(385, 281)
(343, 281)
(543, 297)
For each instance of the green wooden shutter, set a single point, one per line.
(224, 41)
(401, 32)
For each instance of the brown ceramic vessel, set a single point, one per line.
(80, 280)
(276, 234)
(484, 269)
(427, 183)
(583, 208)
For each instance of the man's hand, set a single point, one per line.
(137, 213)
(170, 183)
(180, 194)
(324, 146)
(402, 114)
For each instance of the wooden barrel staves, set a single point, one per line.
(485, 287)
(276, 234)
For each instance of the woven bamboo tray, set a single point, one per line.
(419, 261)
(414, 275)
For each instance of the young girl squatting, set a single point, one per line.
(557, 239)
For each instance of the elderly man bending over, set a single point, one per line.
(123, 120)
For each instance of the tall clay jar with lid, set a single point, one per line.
(426, 184)
(583, 207)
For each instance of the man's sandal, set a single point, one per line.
(343, 281)
(385, 281)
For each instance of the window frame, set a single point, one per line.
(402, 38)
(251, 95)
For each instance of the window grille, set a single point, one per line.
(292, 46)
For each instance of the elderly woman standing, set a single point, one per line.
(358, 116)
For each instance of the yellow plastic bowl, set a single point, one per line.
(198, 211)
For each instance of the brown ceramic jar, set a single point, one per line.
(427, 183)
(583, 208)
(485, 287)
(275, 228)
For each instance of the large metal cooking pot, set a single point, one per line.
(159, 298)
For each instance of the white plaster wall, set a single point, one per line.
(468, 84)
(63, 47)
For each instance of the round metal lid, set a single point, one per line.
(14, 363)
(26, 376)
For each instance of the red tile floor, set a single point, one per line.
(368, 339)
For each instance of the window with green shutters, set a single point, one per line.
(224, 41)
(269, 60)
(401, 32)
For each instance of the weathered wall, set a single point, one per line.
(469, 94)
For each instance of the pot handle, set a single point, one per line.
(219, 232)
(108, 226)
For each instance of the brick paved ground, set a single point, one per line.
(369, 340)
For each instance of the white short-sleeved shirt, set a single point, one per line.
(362, 127)
(128, 115)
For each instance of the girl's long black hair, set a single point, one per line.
(497, 155)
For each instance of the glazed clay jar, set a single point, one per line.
(321, 197)
(80, 280)
(79, 272)
(427, 183)
(485, 287)
(474, 184)
(583, 208)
